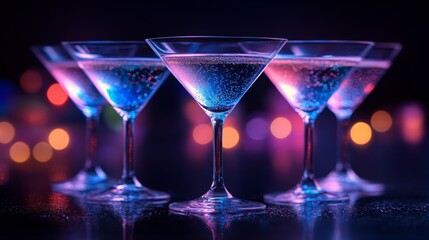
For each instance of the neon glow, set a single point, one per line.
(412, 124)
(257, 128)
(56, 95)
(381, 121)
(360, 133)
(231, 137)
(31, 81)
(42, 152)
(281, 127)
(19, 152)
(112, 118)
(202, 134)
(59, 139)
(7, 132)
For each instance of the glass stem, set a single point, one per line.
(128, 172)
(218, 184)
(308, 177)
(343, 139)
(127, 230)
(309, 225)
(91, 144)
(217, 233)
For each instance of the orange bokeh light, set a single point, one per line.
(42, 152)
(231, 137)
(58, 139)
(360, 133)
(280, 127)
(31, 81)
(19, 152)
(7, 132)
(56, 95)
(202, 134)
(381, 121)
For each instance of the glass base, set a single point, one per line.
(301, 195)
(347, 182)
(216, 202)
(84, 182)
(126, 191)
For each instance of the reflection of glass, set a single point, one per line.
(130, 212)
(216, 71)
(86, 97)
(307, 73)
(343, 103)
(127, 74)
(92, 214)
(217, 222)
(332, 219)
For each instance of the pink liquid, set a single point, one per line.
(308, 83)
(78, 86)
(356, 87)
(216, 81)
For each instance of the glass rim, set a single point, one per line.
(372, 43)
(38, 51)
(39, 48)
(216, 37)
(103, 42)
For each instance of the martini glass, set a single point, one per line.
(217, 72)
(87, 98)
(127, 74)
(307, 73)
(343, 103)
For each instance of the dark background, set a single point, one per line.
(24, 24)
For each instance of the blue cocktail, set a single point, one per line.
(217, 72)
(127, 74)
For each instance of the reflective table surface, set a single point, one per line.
(42, 214)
